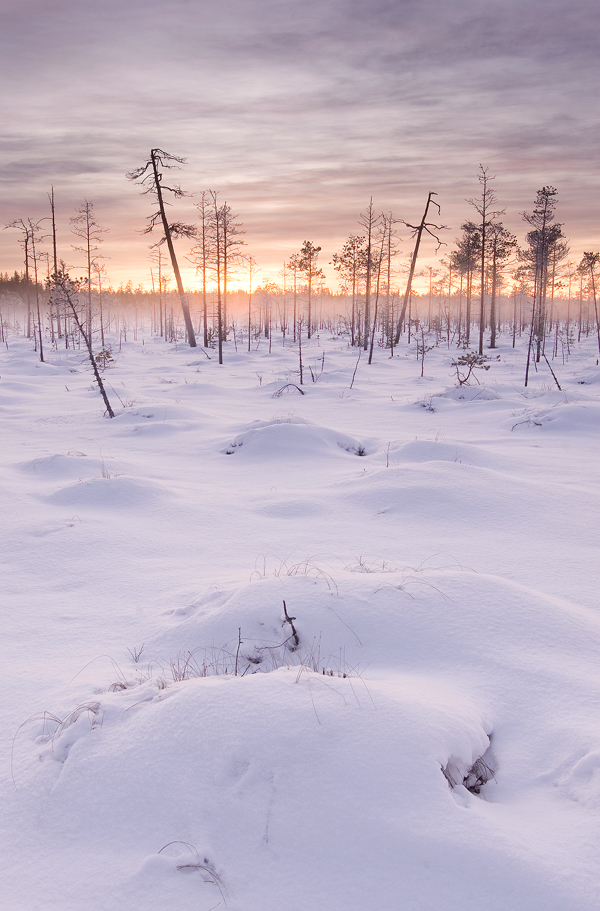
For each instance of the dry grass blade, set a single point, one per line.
(201, 866)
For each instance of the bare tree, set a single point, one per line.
(226, 243)
(231, 250)
(90, 231)
(391, 250)
(150, 176)
(157, 258)
(26, 236)
(294, 266)
(501, 244)
(252, 270)
(204, 254)
(34, 228)
(587, 267)
(483, 206)
(100, 270)
(218, 267)
(370, 222)
(465, 259)
(418, 231)
(283, 316)
(378, 261)
(55, 259)
(31, 236)
(350, 264)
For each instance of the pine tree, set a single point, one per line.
(307, 263)
(542, 241)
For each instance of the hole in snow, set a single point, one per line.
(473, 779)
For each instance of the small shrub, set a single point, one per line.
(469, 362)
(104, 358)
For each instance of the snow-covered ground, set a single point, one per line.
(166, 742)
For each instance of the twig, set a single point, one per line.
(290, 620)
(553, 373)
(356, 367)
(238, 649)
(287, 385)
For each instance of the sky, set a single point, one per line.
(297, 114)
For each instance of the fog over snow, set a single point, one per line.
(267, 650)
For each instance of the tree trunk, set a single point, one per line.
(184, 304)
(411, 273)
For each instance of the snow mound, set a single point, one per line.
(293, 439)
(582, 782)
(284, 507)
(290, 771)
(450, 493)
(67, 466)
(470, 394)
(590, 377)
(160, 419)
(109, 493)
(430, 451)
(563, 419)
(164, 428)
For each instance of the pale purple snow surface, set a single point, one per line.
(436, 544)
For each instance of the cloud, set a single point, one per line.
(299, 112)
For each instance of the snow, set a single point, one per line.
(166, 744)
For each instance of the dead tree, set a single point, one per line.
(34, 229)
(54, 255)
(231, 250)
(90, 231)
(294, 266)
(378, 261)
(369, 221)
(149, 175)
(252, 270)
(418, 230)
(501, 245)
(218, 268)
(587, 267)
(63, 287)
(483, 206)
(25, 242)
(203, 255)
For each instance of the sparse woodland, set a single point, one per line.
(488, 288)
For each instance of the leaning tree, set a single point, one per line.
(150, 176)
(417, 232)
